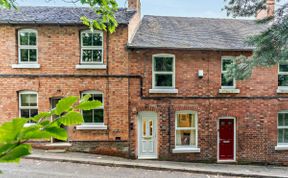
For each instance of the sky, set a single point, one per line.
(184, 8)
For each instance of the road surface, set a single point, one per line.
(49, 169)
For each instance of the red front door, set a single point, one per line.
(226, 139)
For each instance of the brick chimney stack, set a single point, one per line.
(134, 5)
(268, 12)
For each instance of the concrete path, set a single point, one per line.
(214, 169)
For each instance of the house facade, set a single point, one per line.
(161, 81)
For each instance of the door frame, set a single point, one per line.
(139, 123)
(218, 139)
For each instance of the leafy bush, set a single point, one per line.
(14, 135)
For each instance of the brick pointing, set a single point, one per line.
(256, 118)
(59, 52)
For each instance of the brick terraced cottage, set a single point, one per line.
(160, 80)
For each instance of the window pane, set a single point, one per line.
(285, 119)
(163, 80)
(24, 99)
(24, 55)
(97, 97)
(282, 80)
(87, 56)
(227, 82)
(97, 39)
(98, 115)
(163, 64)
(185, 120)
(185, 138)
(87, 115)
(151, 128)
(280, 119)
(97, 55)
(283, 67)
(24, 113)
(33, 99)
(87, 39)
(280, 135)
(32, 39)
(144, 128)
(33, 112)
(285, 135)
(33, 55)
(24, 38)
(225, 64)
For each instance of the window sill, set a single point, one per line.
(26, 66)
(64, 144)
(281, 147)
(29, 124)
(163, 91)
(186, 150)
(91, 127)
(229, 91)
(282, 90)
(94, 66)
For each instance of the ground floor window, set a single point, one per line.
(28, 104)
(186, 129)
(283, 128)
(95, 116)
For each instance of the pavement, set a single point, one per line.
(200, 168)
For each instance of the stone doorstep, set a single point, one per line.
(151, 166)
(60, 147)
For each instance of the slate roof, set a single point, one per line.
(194, 33)
(56, 15)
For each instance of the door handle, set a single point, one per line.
(226, 141)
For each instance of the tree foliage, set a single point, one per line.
(15, 134)
(270, 45)
(106, 10)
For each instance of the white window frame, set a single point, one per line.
(223, 72)
(92, 47)
(154, 72)
(93, 126)
(190, 148)
(27, 107)
(281, 127)
(27, 46)
(282, 73)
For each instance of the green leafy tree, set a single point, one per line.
(104, 8)
(14, 135)
(270, 45)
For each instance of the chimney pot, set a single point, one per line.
(268, 12)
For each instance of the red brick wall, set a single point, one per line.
(256, 118)
(59, 53)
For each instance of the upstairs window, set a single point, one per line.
(283, 75)
(225, 82)
(95, 116)
(163, 71)
(91, 47)
(283, 128)
(28, 104)
(27, 42)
